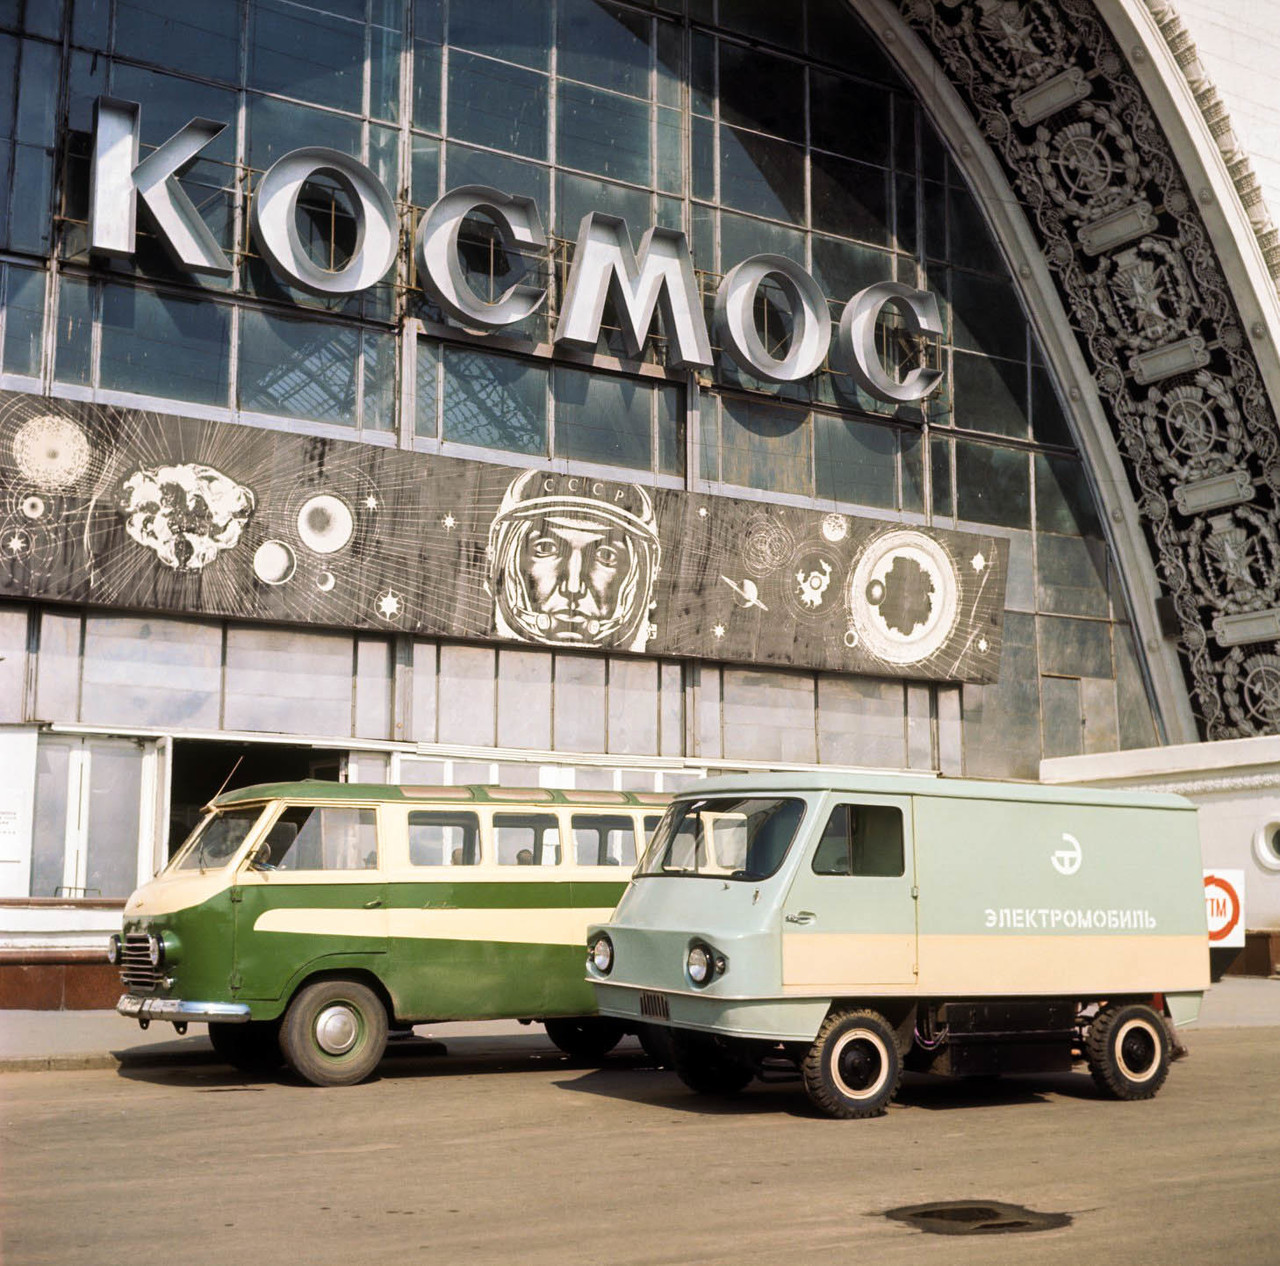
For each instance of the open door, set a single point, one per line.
(850, 917)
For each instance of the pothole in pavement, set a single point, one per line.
(976, 1217)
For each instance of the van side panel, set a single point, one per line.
(1073, 899)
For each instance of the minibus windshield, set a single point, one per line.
(216, 839)
(724, 837)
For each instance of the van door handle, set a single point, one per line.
(802, 916)
(374, 904)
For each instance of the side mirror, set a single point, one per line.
(260, 857)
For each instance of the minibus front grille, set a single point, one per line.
(135, 965)
(654, 1006)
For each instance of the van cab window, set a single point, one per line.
(216, 839)
(329, 837)
(728, 837)
(603, 840)
(444, 839)
(861, 839)
(527, 839)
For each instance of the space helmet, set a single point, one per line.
(536, 498)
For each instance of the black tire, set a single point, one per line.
(705, 1066)
(249, 1048)
(585, 1037)
(1128, 1051)
(656, 1041)
(334, 1032)
(853, 1068)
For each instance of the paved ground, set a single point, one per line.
(503, 1152)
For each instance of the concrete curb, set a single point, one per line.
(103, 1059)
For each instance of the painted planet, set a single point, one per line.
(274, 563)
(325, 523)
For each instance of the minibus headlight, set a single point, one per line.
(155, 950)
(113, 950)
(602, 954)
(700, 964)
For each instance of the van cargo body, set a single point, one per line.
(987, 927)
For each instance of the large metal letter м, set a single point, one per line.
(118, 179)
(603, 261)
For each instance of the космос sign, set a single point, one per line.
(660, 275)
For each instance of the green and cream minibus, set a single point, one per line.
(300, 920)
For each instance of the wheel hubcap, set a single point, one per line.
(337, 1029)
(859, 1065)
(1138, 1050)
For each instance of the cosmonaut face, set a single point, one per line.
(572, 561)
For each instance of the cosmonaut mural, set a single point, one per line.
(132, 509)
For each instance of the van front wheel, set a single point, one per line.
(853, 1068)
(1128, 1051)
(334, 1033)
(705, 1066)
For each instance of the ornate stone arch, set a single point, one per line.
(1079, 123)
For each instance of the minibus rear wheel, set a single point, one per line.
(334, 1032)
(853, 1068)
(249, 1048)
(585, 1037)
(1128, 1051)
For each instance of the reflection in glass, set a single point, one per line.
(494, 401)
(993, 485)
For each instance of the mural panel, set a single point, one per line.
(131, 509)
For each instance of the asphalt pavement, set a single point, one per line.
(51, 1040)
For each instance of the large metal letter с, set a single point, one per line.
(858, 340)
(440, 270)
(810, 318)
(663, 275)
(117, 179)
(275, 221)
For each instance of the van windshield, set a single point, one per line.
(725, 837)
(216, 839)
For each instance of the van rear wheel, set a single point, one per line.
(334, 1032)
(1128, 1051)
(249, 1048)
(853, 1068)
(585, 1037)
(705, 1066)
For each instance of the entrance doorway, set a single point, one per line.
(201, 768)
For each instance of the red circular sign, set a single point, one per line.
(1221, 934)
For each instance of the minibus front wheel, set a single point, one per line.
(590, 1037)
(334, 1032)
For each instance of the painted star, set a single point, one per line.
(702, 512)
(983, 645)
(449, 522)
(978, 562)
(718, 631)
(16, 544)
(389, 604)
(371, 502)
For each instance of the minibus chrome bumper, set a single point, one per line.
(179, 1012)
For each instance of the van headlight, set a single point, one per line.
(601, 954)
(155, 950)
(702, 964)
(113, 950)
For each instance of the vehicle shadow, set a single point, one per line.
(415, 1057)
(788, 1097)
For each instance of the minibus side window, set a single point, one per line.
(861, 839)
(329, 837)
(600, 840)
(444, 839)
(527, 839)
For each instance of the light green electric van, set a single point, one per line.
(843, 927)
(300, 920)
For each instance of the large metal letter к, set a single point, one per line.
(118, 179)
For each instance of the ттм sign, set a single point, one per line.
(660, 274)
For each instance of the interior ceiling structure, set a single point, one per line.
(1145, 293)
